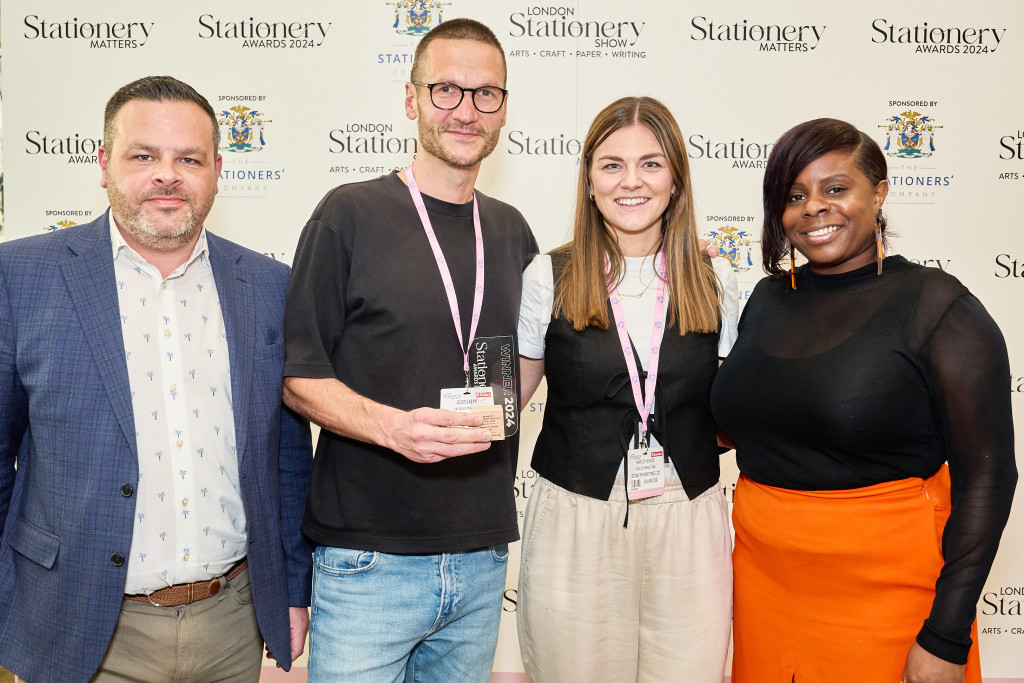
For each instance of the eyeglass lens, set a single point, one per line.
(448, 96)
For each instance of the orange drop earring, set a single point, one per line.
(878, 245)
(792, 267)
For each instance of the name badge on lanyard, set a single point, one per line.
(492, 391)
(489, 393)
(478, 400)
(645, 466)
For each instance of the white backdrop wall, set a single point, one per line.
(311, 97)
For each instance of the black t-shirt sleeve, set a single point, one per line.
(530, 248)
(967, 359)
(315, 310)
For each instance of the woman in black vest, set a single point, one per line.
(626, 571)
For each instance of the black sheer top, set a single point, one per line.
(853, 380)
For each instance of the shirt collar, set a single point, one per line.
(117, 244)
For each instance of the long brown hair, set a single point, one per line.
(582, 292)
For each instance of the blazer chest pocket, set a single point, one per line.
(33, 543)
(272, 346)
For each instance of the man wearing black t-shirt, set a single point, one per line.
(395, 282)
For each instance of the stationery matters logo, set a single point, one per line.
(768, 37)
(97, 34)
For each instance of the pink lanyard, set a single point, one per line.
(446, 276)
(627, 348)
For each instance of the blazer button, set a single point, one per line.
(117, 559)
(127, 490)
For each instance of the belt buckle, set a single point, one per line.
(212, 586)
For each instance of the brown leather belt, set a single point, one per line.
(187, 593)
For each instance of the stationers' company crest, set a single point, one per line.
(416, 17)
(59, 225)
(241, 129)
(63, 217)
(908, 138)
(910, 135)
(734, 244)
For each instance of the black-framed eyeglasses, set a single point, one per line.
(487, 98)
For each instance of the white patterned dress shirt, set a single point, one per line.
(189, 520)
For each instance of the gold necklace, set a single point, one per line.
(640, 277)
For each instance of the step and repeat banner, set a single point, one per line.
(310, 95)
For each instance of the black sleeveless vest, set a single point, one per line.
(590, 417)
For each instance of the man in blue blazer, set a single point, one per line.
(152, 483)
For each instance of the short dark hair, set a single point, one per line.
(154, 89)
(457, 29)
(798, 147)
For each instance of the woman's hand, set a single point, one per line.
(712, 250)
(924, 667)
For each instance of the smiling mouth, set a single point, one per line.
(821, 232)
(455, 130)
(632, 201)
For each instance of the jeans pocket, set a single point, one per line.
(500, 553)
(345, 562)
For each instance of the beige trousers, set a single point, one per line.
(602, 603)
(216, 639)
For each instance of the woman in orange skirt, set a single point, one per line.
(860, 555)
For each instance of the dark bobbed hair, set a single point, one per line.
(154, 89)
(457, 29)
(793, 152)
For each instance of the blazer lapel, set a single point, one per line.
(88, 269)
(234, 288)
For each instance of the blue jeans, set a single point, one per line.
(380, 618)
